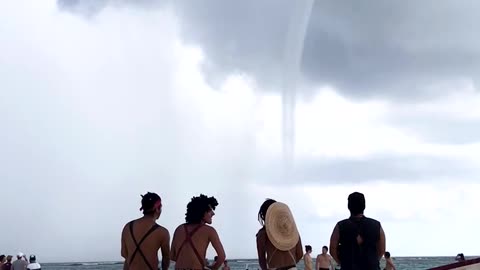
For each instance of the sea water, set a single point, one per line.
(402, 263)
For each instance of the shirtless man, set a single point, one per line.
(389, 262)
(225, 265)
(324, 261)
(143, 237)
(191, 239)
(307, 259)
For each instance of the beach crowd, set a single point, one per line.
(21, 263)
(356, 243)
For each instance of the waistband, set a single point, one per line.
(287, 267)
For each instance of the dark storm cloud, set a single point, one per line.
(390, 49)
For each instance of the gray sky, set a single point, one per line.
(105, 100)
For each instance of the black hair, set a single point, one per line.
(308, 248)
(148, 203)
(387, 254)
(262, 213)
(325, 247)
(197, 207)
(2, 257)
(356, 203)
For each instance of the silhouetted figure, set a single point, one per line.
(357, 243)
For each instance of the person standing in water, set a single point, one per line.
(389, 262)
(191, 239)
(324, 261)
(307, 258)
(357, 242)
(278, 242)
(143, 237)
(225, 265)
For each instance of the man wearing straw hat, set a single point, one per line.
(278, 242)
(357, 243)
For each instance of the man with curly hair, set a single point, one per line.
(191, 239)
(143, 237)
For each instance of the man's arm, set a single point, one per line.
(165, 247)
(334, 240)
(317, 262)
(124, 246)
(217, 245)
(381, 244)
(173, 247)
(261, 250)
(332, 266)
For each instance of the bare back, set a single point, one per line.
(146, 255)
(323, 261)
(271, 257)
(308, 261)
(190, 255)
(389, 264)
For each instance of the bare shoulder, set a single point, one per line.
(210, 230)
(179, 229)
(125, 228)
(163, 231)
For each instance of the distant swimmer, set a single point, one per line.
(357, 242)
(279, 245)
(307, 258)
(20, 263)
(33, 265)
(324, 261)
(225, 265)
(389, 262)
(143, 238)
(191, 239)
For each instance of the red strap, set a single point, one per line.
(138, 244)
(188, 238)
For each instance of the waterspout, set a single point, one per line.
(292, 56)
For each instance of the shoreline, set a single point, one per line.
(252, 259)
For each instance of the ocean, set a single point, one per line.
(402, 263)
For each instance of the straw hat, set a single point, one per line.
(281, 228)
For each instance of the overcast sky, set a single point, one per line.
(102, 101)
